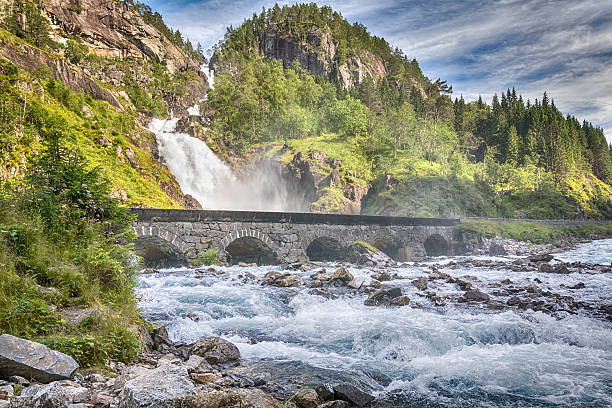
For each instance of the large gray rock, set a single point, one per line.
(33, 360)
(164, 387)
(352, 395)
(59, 394)
(216, 351)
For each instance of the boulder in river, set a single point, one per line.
(352, 394)
(541, 258)
(383, 296)
(163, 387)
(474, 295)
(420, 283)
(307, 398)
(33, 360)
(342, 276)
(216, 350)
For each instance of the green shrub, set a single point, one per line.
(209, 257)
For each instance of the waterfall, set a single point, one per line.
(202, 174)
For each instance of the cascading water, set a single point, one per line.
(420, 355)
(203, 175)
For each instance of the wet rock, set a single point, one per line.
(513, 301)
(579, 285)
(383, 296)
(382, 276)
(496, 249)
(531, 288)
(506, 282)
(463, 285)
(352, 395)
(325, 392)
(546, 268)
(33, 360)
(561, 268)
(400, 301)
(420, 283)
(342, 276)
(541, 258)
(438, 275)
(164, 386)
(307, 398)
(289, 281)
(495, 305)
(476, 296)
(216, 351)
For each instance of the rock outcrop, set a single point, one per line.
(319, 181)
(33, 360)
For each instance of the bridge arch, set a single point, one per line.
(160, 247)
(325, 248)
(250, 246)
(436, 245)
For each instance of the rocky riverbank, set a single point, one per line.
(206, 373)
(210, 371)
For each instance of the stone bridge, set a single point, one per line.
(167, 237)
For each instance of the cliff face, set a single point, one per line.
(318, 53)
(123, 49)
(126, 59)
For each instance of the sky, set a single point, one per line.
(480, 47)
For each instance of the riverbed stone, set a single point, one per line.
(476, 296)
(216, 351)
(33, 360)
(383, 296)
(307, 398)
(162, 387)
(58, 394)
(197, 364)
(352, 394)
(342, 276)
(420, 283)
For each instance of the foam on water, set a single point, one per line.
(453, 356)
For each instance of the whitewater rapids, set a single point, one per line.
(456, 355)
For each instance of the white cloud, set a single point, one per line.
(563, 47)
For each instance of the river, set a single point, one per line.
(435, 352)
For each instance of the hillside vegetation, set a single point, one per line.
(425, 154)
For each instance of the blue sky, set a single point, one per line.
(479, 46)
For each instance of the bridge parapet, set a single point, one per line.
(249, 235)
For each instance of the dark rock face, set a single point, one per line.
(274, 46)
(33, 360)
(352, 395)
(217, 351)
(496, 249)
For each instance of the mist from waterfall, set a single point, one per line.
(207, 178)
